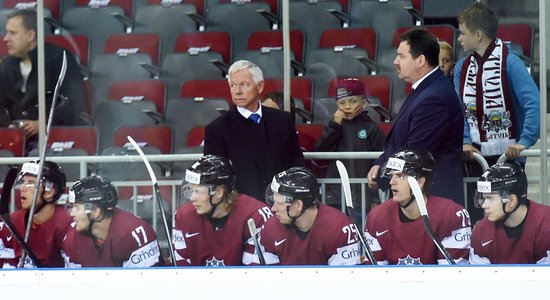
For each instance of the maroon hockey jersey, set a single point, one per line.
(332, 240)
(45, 239)
(396, 242)
(491, 245)
(198, 243)
(131, 242)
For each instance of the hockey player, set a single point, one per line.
(104, 236)
(305, 231)
(395, 229)
(210, 228)
(50, 222)
(515, 230)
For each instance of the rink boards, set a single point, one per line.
(307, 283)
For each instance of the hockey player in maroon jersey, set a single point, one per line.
(306, 232)
(395, 229)
(50, 222)
(210, 228)
(515, 230)
(104, 236)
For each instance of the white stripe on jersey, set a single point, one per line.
(545, 260)
(249, 258)
(145, 256)
(459, 239)
(6, 253)
(372, 242)
(178, 240)
(346, 256)
(478, 260)
(270, 258)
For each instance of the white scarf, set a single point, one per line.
(487, 102)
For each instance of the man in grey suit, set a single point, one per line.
(260, 141)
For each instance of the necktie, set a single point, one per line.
(255, 118)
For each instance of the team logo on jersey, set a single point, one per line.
(214, 262)
(362, 134)
(409, 261)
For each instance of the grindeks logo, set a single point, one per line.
(145, 256)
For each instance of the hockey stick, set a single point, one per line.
(5, 213)
(159, 197)
(254, 235)
(417, 192)
(351, 210)
(43, 152)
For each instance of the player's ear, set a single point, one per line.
(421, 183)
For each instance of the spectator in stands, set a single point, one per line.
(305, 232)
(430, 119)
(351, 129)
(395, 229)
(515, 230)
(19, 80)
(50, 222)
(276, 100)
(260, 141)
(103, 235)
(501, 114)
(446, 58)
(210, 228)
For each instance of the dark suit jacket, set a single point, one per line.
(431, 119)
(258, 151)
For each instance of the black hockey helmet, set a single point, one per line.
(505, 178)
(52, 175)
(95, 190)
(294, 183)
(211, 170)
(415, 163)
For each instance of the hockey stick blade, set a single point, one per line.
(254, 235)
(351, 210)
(417, 192)
(159, 197)
(9, 180)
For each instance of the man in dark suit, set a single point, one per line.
(260, 141)
(431, 117)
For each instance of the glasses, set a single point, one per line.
(242, 86)
(25, 184)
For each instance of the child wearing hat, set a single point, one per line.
(351, 129)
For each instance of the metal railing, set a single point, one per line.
(85, 162)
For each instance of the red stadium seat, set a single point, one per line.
(274, 38)
(148, 43)
(53, 6)
(77, 44)
(83, 137)
(196, 136)
(216, 41)
(155, 136)
(520, 34)
(152, 89)
(445, 33)
(126, 5)
(300, 88)
(13, 139)
(364, 38)
(218, 88)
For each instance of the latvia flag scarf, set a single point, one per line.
(487, 99)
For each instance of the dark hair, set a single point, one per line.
(28, 16)
(480, 16)
(278, 98)
(422, 42)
